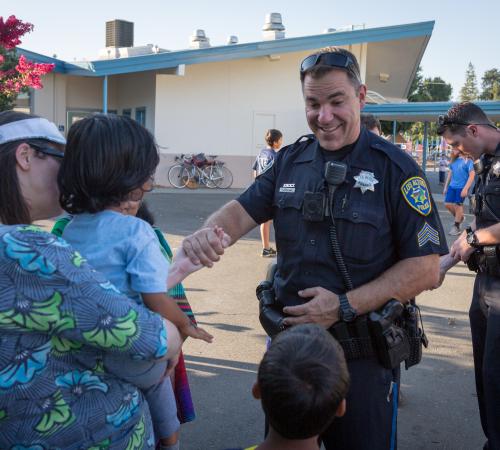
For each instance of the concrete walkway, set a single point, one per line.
(440, 410)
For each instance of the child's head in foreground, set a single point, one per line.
(302, 382)
(109, 159)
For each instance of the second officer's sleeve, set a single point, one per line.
(417, 228)
(257, 200)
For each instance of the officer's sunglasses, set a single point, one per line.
(332, 60)
(444, 120)
(51, 151)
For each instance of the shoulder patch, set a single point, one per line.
(416, 194)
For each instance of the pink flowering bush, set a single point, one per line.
(16, 74)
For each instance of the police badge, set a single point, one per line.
(416, 194)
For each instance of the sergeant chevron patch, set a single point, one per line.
(427, 234)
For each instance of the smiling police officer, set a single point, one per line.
(387, 232)
(467, 128)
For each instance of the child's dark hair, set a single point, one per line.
(107, 157)
(303, 378)
(145, 213)
(273, 136)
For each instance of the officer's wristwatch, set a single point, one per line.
(346, 312)
(472, 238)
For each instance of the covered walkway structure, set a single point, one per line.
(425, 112)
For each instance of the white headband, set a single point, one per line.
(34, 128)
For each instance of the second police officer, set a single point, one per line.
(387, 228)
(466, 127)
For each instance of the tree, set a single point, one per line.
(469, 91)
(491, 85)
(429, 89)
(16, 74)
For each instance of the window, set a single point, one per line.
(140, 115)
(127, 112)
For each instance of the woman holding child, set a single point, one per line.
(60, 320)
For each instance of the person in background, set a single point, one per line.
(371, 123)
(456, 188)
(443, 167)
(263, 162)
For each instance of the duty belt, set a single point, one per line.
(354, 338)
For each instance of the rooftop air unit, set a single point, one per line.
(119, 33)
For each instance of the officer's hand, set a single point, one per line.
(322, 308)
(461, 249)
(203, 247)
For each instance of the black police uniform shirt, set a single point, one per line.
(383, 211)
(487, 209)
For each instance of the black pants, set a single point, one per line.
(484, 317)
(371, 417)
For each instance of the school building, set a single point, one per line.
(221, 99)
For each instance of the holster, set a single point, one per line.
(390, 340)
(486, 260)
(270, 311)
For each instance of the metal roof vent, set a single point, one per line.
(231, 40)
(273, 27)
(199, 40)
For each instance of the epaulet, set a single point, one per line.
(399, 157)
(305, 136)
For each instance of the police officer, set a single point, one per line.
(387, 225)
(466, 128)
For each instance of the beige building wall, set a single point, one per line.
(50, 102)
(224, 108)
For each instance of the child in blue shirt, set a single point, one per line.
(109, 161)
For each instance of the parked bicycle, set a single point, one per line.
(192, 171)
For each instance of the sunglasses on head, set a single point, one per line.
(331, 60)
(46, 150)
(444, 120)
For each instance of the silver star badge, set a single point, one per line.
(496, 169)
(366, 181)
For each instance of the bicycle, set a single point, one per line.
(193, 170)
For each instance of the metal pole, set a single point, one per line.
(105, 95)
(394, 126)
(425, 146)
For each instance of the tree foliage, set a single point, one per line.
(490, 84)
(469, 91)
(17, 74)
(430, 89)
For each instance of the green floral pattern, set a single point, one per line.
(57, 322)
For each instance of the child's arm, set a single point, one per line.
(182, 266)
(167, 307)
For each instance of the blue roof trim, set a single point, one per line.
(246, 50)
(60, 66)
(491, 108)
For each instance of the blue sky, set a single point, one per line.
(464, 31)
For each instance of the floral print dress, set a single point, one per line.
(58, 317)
